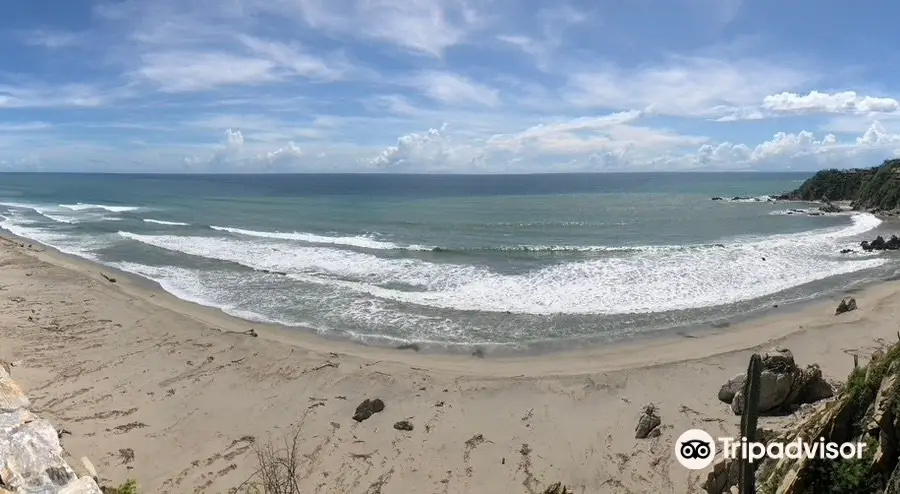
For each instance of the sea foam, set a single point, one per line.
(646, 281)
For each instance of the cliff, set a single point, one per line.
(867, 188)
(30, 453)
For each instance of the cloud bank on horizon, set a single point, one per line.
(449, 86)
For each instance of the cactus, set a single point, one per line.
(748, 421)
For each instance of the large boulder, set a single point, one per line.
(782, 384)
(31, 459)
(774, 390)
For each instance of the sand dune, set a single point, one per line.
(177, 395)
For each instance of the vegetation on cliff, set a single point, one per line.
(873, 188)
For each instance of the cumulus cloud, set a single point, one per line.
(616, 145)
(432, 150)
(816, 102)
(877, 136)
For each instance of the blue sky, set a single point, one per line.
(467, 86)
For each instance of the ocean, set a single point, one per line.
(502, 263)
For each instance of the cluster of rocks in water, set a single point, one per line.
(881, 244)
(826, 207)
(31, 456)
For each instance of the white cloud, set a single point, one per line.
(683, 86)
(582, 135)
(264, 62)
(816, 102)
(613, 144)
(453, 88)
(553, 25)
(291, 58)
(393, 103)
(67, 95)
(803, 150)
(429, 151)
(195, 71)
(423, 26)
(233, 140)
(877, 136)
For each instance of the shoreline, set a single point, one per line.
(689, 327)
(730, 334)
(176, 395)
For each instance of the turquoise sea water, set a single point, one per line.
(453, 261)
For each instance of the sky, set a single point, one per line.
(447, 86)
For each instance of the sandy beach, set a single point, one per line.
(176, 395)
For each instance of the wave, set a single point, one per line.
(58, 219)
(652, 280)
(77, 246)
(169, 223)
(113, 209)
(360, 241)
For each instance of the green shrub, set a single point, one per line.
(129, 487)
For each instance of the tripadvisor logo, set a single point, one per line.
(695, 449)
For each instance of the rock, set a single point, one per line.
(810, 386)
(31, 461)
(848, 304)
(828, 207)
(782, 384)
(716, 199)
(730, 388)
(774, 390)
(647, 423)
(84, 485)
(13, 419)
(403, 425)
(881, 244)
(723, 475)
(780, 360)
(893, 243)
(846, 251)
(557, 488)
(367, 408)
(11, 396)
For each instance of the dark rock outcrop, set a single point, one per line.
(403, 425)
(848, 304)
(881, 244)
(368, 408)
(648, 424)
